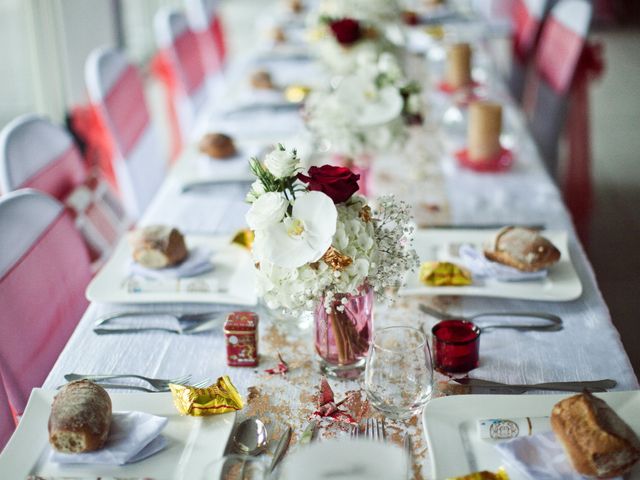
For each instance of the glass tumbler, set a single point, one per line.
(398, 372)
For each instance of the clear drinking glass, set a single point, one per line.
(399, 373)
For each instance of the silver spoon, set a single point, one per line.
(249, 439)
(553, 322)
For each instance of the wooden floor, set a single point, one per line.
(614, 241)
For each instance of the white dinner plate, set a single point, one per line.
(194, 442)
(232, 280)
(455, 447)
(561, 284)
(346, 459)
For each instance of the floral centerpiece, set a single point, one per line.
(366, 113)
(319, 246)
(343, 31)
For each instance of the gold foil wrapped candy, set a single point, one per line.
(440, 274)
(243, 238)
(501, 474)
(221, 397)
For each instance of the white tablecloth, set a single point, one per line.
(589, 347)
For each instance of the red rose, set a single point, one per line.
(347, 31)
(339, 183)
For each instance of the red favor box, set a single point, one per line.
(241, 335)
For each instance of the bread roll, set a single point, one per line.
(522, 248)
(80, 418)
(158, 246)
(217, 145)
(261, 80)
(596, 440)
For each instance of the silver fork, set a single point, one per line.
(374, 429)
(157, 383)
(121, 386)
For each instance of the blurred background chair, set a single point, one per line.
(205, 21)
(116, 91)
(35, 153)
(178, 65)
(527, 19)
(562, 40)
(44, 270)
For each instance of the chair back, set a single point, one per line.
(44, 270)
(179, 46)
(34, 153)
(562, 41)
(205, 20)
(117, 93)
(527, 20)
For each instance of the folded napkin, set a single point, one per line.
(480, 266)
(539, 457)
(197, 262)
(134, 436)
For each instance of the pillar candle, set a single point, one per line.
(485, 125)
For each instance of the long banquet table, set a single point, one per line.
(423, 173)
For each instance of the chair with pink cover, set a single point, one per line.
(205, 21)
(117, 93)
(562, 41)
(44, 270)
(34, 153)
(527, 18)
(179, 66)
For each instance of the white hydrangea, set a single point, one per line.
(379, 258)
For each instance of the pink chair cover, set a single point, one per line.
(561, 43)
(7, 425)
(527, 19)
(182, 71)
(117, 93)
(38, 154)
(44, 270)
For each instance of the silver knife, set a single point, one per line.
(187, 187)
(309, 433)
(484, 226)
(281, 448)
(595, 385)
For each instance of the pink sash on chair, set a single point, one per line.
(526, 31)
(180, 69)
(42, 298)
(7, 424)
(60, 176)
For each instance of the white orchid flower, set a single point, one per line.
(268, 209)
(304, 236)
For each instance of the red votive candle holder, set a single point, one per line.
(456, 346)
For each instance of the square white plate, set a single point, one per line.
(232, 280)
(450, 425)
(561, 284)
(194, 442)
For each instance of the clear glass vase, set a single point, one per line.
(343, 334)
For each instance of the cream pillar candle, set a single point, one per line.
(458, 68)
(485, 126)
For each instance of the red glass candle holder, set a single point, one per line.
(456, 346)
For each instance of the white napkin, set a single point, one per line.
(134, 436)
(481, 266)
(197, 262)
(539, 457)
